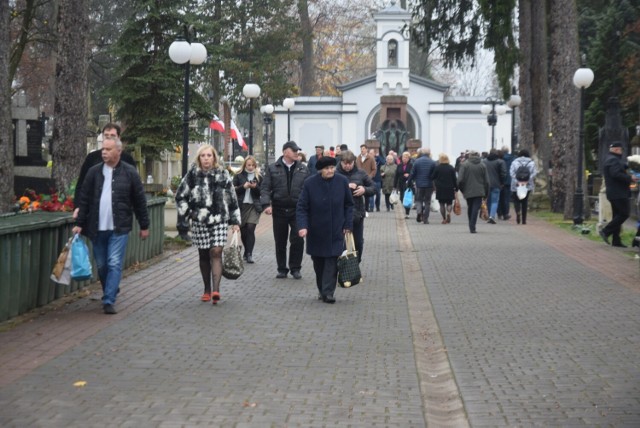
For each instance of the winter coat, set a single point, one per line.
(421, 172)
(127, 197)
(401, 180)
(208, 197)
(616, 178)
(445, 181)
(522, 160)
(473, 179)
(238, 183)
(281, 190)
(497, 170)
(325, 209)
(389, 177)
(360, 178)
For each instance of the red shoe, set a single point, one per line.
(205, 297)
(215, 297)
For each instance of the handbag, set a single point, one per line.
(232, 266)
(348, 265)
(484, 211)
(407, 201)
(394, 197)
(457, 208)
(80, 262)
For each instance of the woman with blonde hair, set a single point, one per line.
(207, 198)
(247, 184)
(445, 183)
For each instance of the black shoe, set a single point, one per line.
(296, 275)
(109, 309)
(604, 237)
(249, 258)
(281, 275)
(328, 299)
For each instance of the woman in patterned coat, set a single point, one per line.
(207, 197)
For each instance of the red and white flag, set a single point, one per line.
(237, 135)
(217, 124)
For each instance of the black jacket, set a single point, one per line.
(280, 190)
(127, 197)
(360, 178)
(616, 178)
(238, 183)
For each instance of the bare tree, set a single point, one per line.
(70, 110)
(564, 99)
(6, 148)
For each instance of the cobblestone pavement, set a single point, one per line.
(512, 326)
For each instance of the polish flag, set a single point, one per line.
(236, 135)
(217, 124)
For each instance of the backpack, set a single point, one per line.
(523, 173)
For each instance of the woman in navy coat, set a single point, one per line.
(323, 214)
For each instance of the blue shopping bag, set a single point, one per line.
(407, 201)
(80, 262)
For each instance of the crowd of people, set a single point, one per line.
(316, 200)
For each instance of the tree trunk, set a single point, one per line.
(6, 146)
(70, 110)
(565, 103)
(307, 77)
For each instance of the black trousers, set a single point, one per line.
(473, 210)
(621, 209)
(285, 228)
(326, 269)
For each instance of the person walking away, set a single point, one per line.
(112, 191)
(388, 174)
(445, 184)
(421, 176)
(361, 186)
(314, 158)
(206, 197)
(505, 192)
(497, 173)
(377, 180)
(617, 180)
(523, 171)
(366, 163)
(324, 215)
(247, 186)
(402, 176)
(279, 195)
(473, 182)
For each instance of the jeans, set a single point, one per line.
(109, 249)
(494, 199)
(285, 228)
(326, 269)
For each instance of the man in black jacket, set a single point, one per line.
(111, 193)
(617, 182)
(279, 195)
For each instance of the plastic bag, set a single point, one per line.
(80, 262)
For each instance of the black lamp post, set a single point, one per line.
(288, 103)
(490, 109)
(182, 51)
(582, 79)
(267, 111)
(251, 91)
(514, 101)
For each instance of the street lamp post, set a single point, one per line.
(489, 108)
(288, 103)
(267, 111)
(251, 91)
(514, 101)
(582, 79)
(182, 51)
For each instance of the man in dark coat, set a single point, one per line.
(324, 214)
(279, 194)
(617, 181)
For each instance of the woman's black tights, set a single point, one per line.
(248, 235)
(211, 268)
